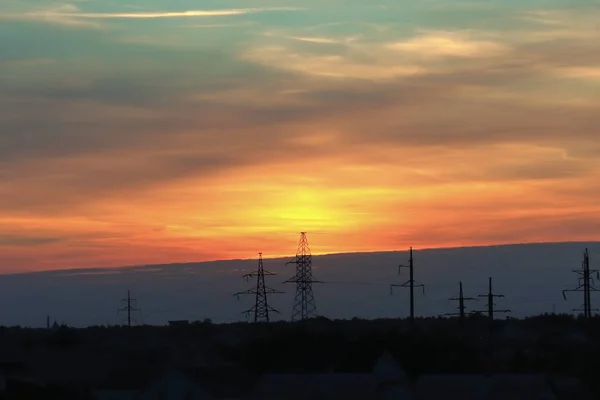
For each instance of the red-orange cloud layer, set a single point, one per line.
(374, 136)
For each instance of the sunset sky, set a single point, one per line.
(156, 131)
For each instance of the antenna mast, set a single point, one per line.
(261, 307)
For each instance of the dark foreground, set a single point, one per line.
(545, 357)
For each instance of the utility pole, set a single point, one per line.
(411, 283)
(129, 307)
(461, 303)
(490, 305)
(586, 285)
(304, 301)
(491, 310)
(261, 308)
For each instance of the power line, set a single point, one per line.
(304, 301)
(411, 283)
(586, 285)
(129, 307)
(491, 310)
(261, 307)
(490, 305)
(461, 303)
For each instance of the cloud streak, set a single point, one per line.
(180, 14)
(72, 16)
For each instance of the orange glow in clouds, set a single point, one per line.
(344, 208)
(182, 138)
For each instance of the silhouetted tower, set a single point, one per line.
(129, 307)
(461, 302)
(261, 307)
(490, 305)
(304, 301)
(586, 285)
(490, 311)
(411, 283)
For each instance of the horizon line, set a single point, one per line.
(279, 257)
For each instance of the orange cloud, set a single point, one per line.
(447, 137)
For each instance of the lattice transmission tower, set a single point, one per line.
(304, 301)
(261, 307)
(586, 285)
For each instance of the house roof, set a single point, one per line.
(179, 379)
(522, 386)
(570, 388)
(130, 379)
(346, 386)
(52, 366)
(396, 392)
(218, 382)
(475, 387)
(455, 386)
(388, 368)
(227, 381)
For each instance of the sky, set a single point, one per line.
(151, 131)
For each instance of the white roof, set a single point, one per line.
(347, 386)
(386, 367)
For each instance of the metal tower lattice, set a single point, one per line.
(261, 307)
(304, 301)
(586, 285)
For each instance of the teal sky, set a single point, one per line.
(112, 110)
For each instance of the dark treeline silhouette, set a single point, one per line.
(73, 363)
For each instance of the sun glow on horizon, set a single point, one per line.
(135, 137)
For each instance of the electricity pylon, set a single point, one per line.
(304, 301)
(490, 305)
(461, 303)
(490, 311)
(129, 307)
(410, 283)
(261, 307)
(586, 285)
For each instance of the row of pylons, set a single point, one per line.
(305, 307)
(304, 301)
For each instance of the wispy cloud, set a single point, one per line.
(443, 43)
(562, 24)
(334, 66)
(192, 13)
(71, 15)
(209, 26)
(323, 40)
(410, 56)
